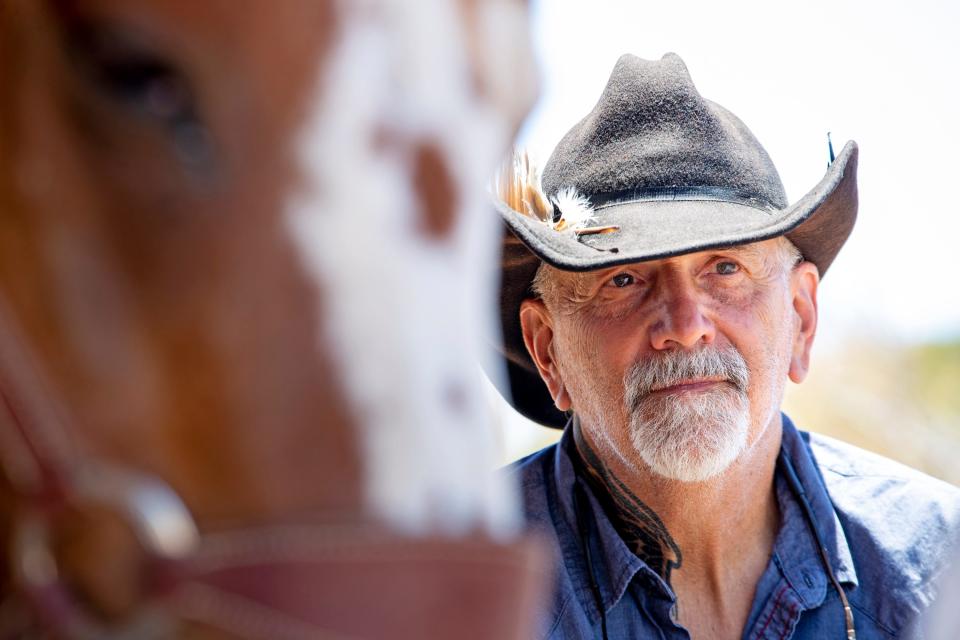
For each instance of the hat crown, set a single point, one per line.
(652, 129)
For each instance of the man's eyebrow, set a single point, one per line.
(748, 250)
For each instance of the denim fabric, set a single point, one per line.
(886, 529)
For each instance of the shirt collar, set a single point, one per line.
(615, 565)
(795, 556)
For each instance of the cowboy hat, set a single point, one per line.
(654, 170)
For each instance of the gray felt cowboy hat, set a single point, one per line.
(655, 170)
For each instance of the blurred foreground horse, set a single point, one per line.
(244, 254)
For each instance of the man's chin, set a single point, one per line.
(688, 446)
(699, 467)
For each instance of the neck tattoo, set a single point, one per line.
(639, 525)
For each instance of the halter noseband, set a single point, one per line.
(312, 580)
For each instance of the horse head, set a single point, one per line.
(242, 269)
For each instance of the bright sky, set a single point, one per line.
(882, 73)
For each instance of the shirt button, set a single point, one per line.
(808, 579)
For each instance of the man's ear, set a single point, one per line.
(804, 281)
(537, 326)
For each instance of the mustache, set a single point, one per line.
(668, 368)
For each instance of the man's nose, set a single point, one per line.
(681, 322)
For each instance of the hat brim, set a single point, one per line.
(818, 225)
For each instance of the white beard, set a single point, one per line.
(691, 440)
(690, 437)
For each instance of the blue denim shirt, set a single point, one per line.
(886, 529)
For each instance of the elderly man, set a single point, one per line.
(663, 291)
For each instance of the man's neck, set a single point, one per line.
(709, 540)
(639, 525)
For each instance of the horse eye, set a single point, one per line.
(135, 79)
(147, 85)
(622, 280)
(131, 74)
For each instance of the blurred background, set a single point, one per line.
(886, 367)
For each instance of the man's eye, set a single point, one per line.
(622, 280)
(726, 268)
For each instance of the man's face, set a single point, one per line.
(681, 361)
